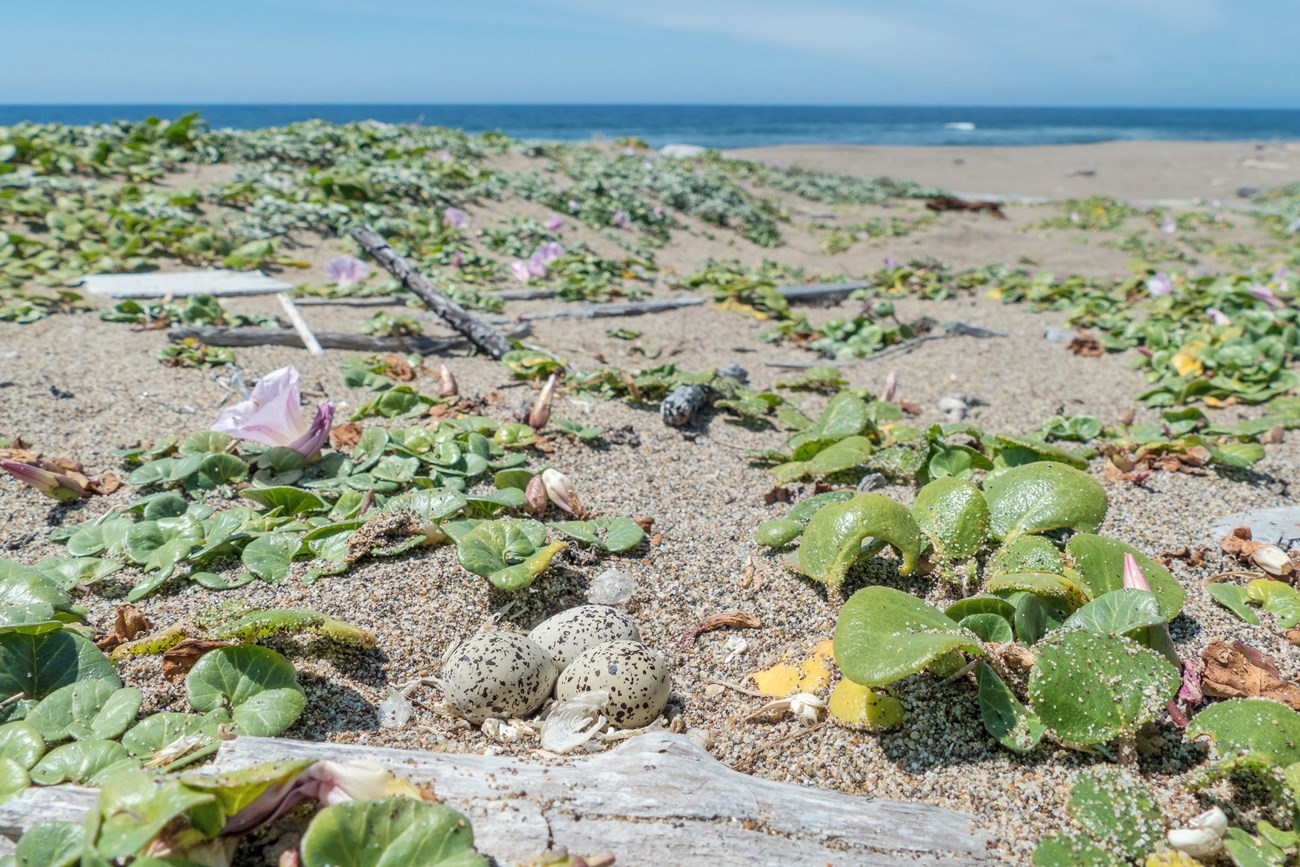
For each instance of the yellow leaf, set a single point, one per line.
(858, 706)
(1186, 365)
(995, 293)
(787, 678)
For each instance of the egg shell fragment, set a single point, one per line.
(498, 674)
(566, 635)
(635, 677)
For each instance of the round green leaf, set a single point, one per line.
(255, 687)
(1117, 612)
(80, 762)
(1099, 563)
(1117, 810)
(269, 557)
(50, 844)
(1011, 723)
(953, 515)
(37, 665)
(883, 635)
(393, 832)
(991, 628)
(164, 739)
(1089, 689)
(777, 533)
(13, 779)
(21, 742)
(1043, 496)
(86, 710)
(833, 539)
(1250, 725)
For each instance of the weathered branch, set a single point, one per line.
(328, 339)
(481, 334)
(601, 311)
(657, 799)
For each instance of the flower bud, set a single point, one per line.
(1272, 560)
(54, 485)
(891, 387)
(561, 492)
(449, 387)
(540, 414)
(535, 495)
(1133, 577)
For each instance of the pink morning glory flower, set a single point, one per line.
(573, 205)
(273, 416)
(1263, 293)
(550, 251)
(620, 218)
(455, 218)
(56, 486)
(1159, 284)
(455, 259)
(1218, 317)
(519, 270)
(553, 223)
(537, 266)
(1169, 226)
(347, 270)
(891, 264)
(445, 156)
(658, 212)
(1133, 577)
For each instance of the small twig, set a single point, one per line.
(742, 689)
(13, 698)
(1234, 573)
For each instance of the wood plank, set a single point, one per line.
(158, 285)
(807, 293)
(420, 343)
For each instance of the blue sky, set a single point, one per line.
(1211, 53)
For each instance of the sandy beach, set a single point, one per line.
(77, 387)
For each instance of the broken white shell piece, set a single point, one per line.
(506, 732)
(395, 710)
(574, 723)
(1195, 842)
(1272, 560)
(1213, 819)
(803, 706)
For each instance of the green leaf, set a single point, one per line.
(134, 809)
(845, 415)
(256, 687)
(1005, 718)
(1248, 851)
(235, 790)
(1115, 807)
(1089, 689)
(206, 442)
(50, 844)
(1233, 597)
(1116, 613)
(1043, 496)
(166, 740)
(1026, 554)
(843, 455)
(777, 532)
(990, 628)
(1046, 584)
(269, 557)
(953, 515)
(619, 535)
(1099, 562)
(883, 635)
(291, 501)
(80, 762)
(21, 742)
(1250, 725)
(502, 552)
(833, 539)
(1067, 850)
(393, 832)
(86, 710)
(37, 665)
(13, 779)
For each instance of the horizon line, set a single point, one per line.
(391, 104)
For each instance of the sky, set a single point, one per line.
(1168, 53)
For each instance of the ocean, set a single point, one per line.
(736, 126)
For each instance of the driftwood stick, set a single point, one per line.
(481, 334)
(818, 292)
(601, 311)
(328, 339)
(300, 325)
(380, 301)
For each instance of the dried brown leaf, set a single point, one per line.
(178, 659)
(345, 436)
(128, 623)
(1239, 671)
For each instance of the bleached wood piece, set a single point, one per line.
(420, 343)
(300, 325)
(823, 293)
(656, 799)
(602, 311)
(180, 284)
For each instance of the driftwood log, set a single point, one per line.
(818, 293)
(328, 339)
(482, 335)
(602, 311)
(952, 203)
(656, 799)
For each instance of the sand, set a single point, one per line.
(78, 387)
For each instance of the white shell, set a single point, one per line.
(569, 633)
(1196, 842)
(1212, 819)
(635, 677)
(498, 674)
(574, 723)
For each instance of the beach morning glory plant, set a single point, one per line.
(347, 271)
(273, 416)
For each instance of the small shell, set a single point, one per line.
(1212, 819)
(569, 633)
(635, 677)
(1196, 842)
(498, 674)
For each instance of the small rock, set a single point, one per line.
(611, 587)
(872, 481)
(1280, 526)
(954, 407)
(1059, 335)
(699, 737)
(736, 372)
(1248, 192)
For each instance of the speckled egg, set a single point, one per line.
(569, 633)
(634, 675)
(498, 674)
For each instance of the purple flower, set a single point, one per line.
(1189, 692)
(550, 251)
(553, 223)
(1218, 317)
(455, 218)
(347, 270)
(1159, 284)
(1133, 577)
(519, 270)
(1263, 293)
(273, 416)
(861, 236)
(455, 259)
(1169, 226)
(445, 156)
(537, 266)
(658, 212)
(620, 218)
(892, 264)
(573, 205)
(56, 486)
